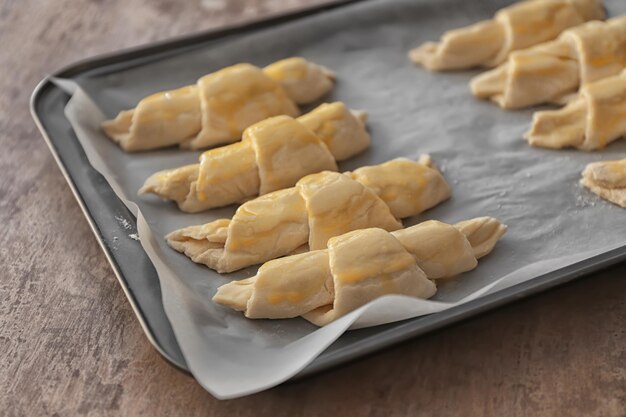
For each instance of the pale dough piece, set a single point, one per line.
(607, 179)
(482, 233)
(273, 154)
(552, 71)
(594, 119)
(321, 206)
(522, 25)
(158, 121)
(219, 106)
(359, 267)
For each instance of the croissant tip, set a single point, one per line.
(150, 185)
(329, 73)
(236, 294)
(361, 115)
(425, 56)
(474, 85)
(218, 297)
(427, 160)
(483, 233)
(111, 130)
(490, 84)
(170, 238)
(528, 136)
(416, 55)
(490, 219)
(145, 189)
(411, 55)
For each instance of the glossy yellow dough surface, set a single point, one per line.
(218, 108)
(318, 208)
(489, 43)
(359, 267)
(273, 154)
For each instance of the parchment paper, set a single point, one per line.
(552, 221)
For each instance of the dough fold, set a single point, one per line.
(607, 179)
(489, 43)
(272, 155)
(551, 72)
(319, 207)
(217, 109)
(595, 118)
(359, 267)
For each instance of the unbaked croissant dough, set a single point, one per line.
(272, 155)
(607, 179)
(551, 71)
(219, 106)
(594, 119)
(321, 206)
(359, 267)
(488, 43)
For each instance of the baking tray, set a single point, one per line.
(136, 274)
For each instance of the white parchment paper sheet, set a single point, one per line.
(492, 171)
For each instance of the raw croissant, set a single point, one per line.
(321, 206)
(594, 119)
(607, 179)
(551, 71)
(219, 106)
(273, 154)
(359, 267)
(488, 43)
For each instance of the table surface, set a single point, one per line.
(70, 344)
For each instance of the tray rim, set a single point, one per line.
(43, 84)
(403, 330)
(123, 55)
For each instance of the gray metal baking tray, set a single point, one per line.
(132, 266)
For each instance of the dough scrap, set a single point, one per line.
(607, 179)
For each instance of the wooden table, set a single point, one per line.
(70, 344)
